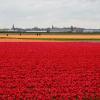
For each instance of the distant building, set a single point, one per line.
(91, 30)
(60, 30)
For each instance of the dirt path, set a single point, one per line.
(28, 38)
(51, 36)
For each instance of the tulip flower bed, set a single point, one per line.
(49, 71)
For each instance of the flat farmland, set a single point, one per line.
(49, 71)
(30, 38)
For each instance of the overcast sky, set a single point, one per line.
(44, 13)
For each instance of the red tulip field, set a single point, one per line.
(49, 71)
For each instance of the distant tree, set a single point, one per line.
(48, 30)
(72, 28)
(13, 27)
(52, 27)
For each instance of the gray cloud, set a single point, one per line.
(29, 13)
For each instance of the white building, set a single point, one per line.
(91, 30)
